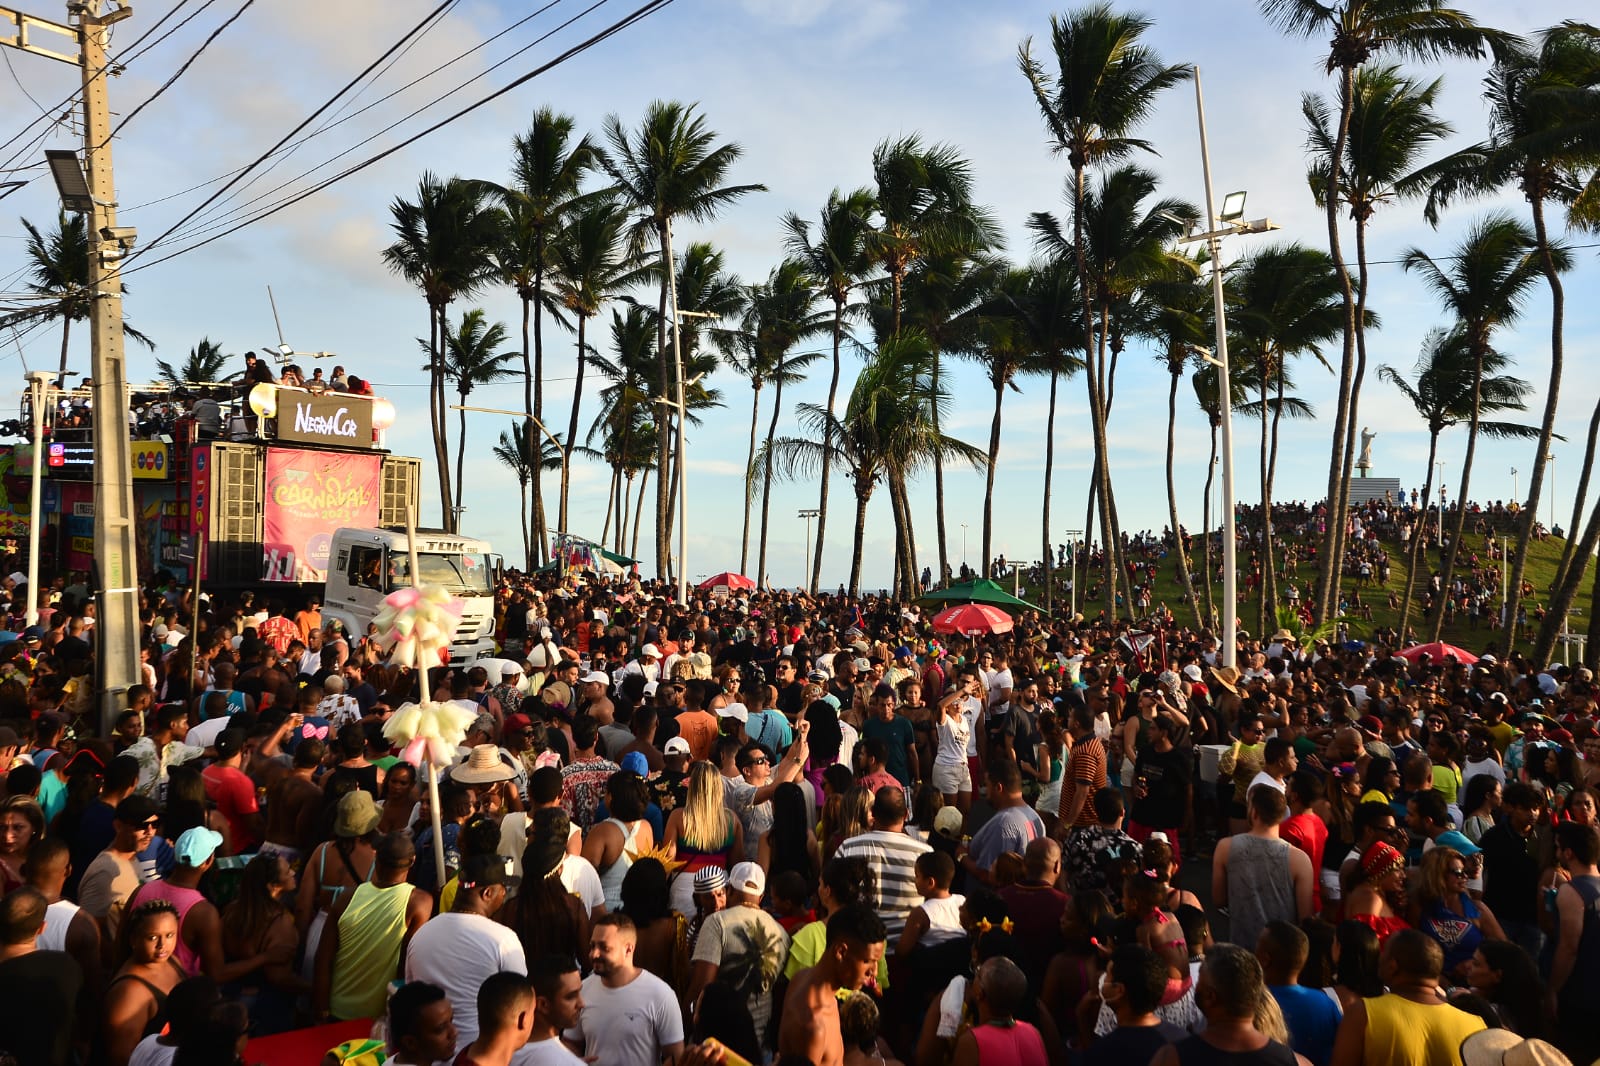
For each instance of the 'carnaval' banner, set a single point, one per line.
(308, 496)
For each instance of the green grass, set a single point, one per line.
(1543, 557)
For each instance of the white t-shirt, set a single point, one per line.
(57, 918)
(997, 681)
(627, 1026)
(583, 880)
(205, 734)
(550, 1052)
(458, 952)
(152, 1053)
(971, 707)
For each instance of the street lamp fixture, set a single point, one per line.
(70, 182)
(1232, 207)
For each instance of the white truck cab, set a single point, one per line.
(366, 564)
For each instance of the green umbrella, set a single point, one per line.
(981, 590)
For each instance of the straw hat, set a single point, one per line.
(482, 767)
(1227, 677)
(1501, 1047)
(1283, 635)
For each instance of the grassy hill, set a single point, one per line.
(1543, 557)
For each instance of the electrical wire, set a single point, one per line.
(7, 56)
(304, 123)
(227, 219)
(182, 69)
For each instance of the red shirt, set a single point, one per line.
(699, 731)
(235, 796)
(1310, 834)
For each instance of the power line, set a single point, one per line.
(303, 124)
(182, 69)
(638, 15)
(219, 221)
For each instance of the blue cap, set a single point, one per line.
(636, 762)
(903, 652)
(197, 845)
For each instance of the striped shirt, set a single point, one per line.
(1086, 772)
(893, 857)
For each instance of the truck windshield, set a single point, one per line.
(463, 573)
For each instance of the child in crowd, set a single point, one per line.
(937, 920)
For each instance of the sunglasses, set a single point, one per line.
(760, 762)
(1456, 871)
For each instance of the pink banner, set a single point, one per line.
(309, 495)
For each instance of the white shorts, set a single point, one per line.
(951, 778)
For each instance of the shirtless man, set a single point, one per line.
(810, 1025)
(293, 803)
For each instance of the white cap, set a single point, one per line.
(650, 687)
(595, 676)
(735, 710)
(676, 746)
(747, 877)
(650, 651)
(1192, 672)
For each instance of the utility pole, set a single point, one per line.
(92, 192)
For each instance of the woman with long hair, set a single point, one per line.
(399, 799)
(612, 844)
(826, 741)
(1478, 807)
(1507, 977)
(1049, 764)
(854, 816)
(547, 919)
(662, 933)
(259, 922)
(1444, 909)
(136, 998)
(1381, 781)
(1355, 963)
(703, 832)
(21, 825)
(791, 844)
(188, 808)
(1337, 809)
(1076, 968)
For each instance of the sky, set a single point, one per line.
(806, 88)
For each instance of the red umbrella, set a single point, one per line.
(969, 618)
(1437, 651)
(728, 578)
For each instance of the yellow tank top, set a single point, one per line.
(1402, 1031)
(370, 931)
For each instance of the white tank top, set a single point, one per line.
(611, 879)
(57, 917)
(944, 919)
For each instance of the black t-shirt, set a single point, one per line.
(1166, 775)
(1511, 874)
(38, 997)
(1131, 1045)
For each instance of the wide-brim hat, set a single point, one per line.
(1284, 634)
(484, 766)
(357, 815)
(1502, 1047)
(1227, 677)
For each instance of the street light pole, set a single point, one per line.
(1072, 571)
(808, 514)
(38, 395)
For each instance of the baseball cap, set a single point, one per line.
(903, 652)
(517, 722)
(635, 762)
(747, 877)
(197, 845)
(137, 810)
(1192, 672)
(818, 676)
(676, 746)
(595, 676)
(947, 823)
(734, 710)
(650, 651)
(480, 871)
(229, 743)
(1370, 724)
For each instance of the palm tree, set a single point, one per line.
(1122, 244)
(1483, 286)
(1535, 143)
(1358, 31)
(777, 315)
(1391, 122)
(669, 169)
(589, 264)
(58, 274)
(515, 452)
(468, 359)
(1286, 305)
(442, 244)
(839, 258)
(923, 194)
(625, 422)
(1105, 83)
(546, 170)
(205, 365)
(1441, 390)
(887, 425)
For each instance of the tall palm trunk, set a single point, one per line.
(938, 479)
(1264, 609)
(1461, 496)
(766, 476)
(1097, 414)
(1355, 401)
(988, 476)
(611, 501)
(1270, 582)
(572, 424)
(664, 373)
(1049, 468)
(66, 335)
(1205, 524)
(528, 427)
(527, 543)
(908, 535)
(436, 416)
(897, 509)
(638, 509)
(1337, 487)
(827, 444)
(1415, 553)
(537, 406)
(860, 538)
(1568, 552)
(749, 478)
(1558, 310)
(1566, 590)
(1185, 579)
(461, 455)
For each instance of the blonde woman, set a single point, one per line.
(701, 833)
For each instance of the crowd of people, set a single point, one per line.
(772, 827)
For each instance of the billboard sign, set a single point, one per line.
(309, 495)
(336, 418)
(151, 460)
